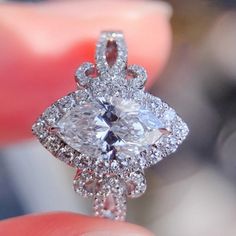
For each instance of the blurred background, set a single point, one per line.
(193, 193)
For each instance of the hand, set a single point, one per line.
(41, 47)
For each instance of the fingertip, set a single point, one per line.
(69, 224)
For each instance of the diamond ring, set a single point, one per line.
(110, 129)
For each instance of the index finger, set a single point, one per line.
(41, 49)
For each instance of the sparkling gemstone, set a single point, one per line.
(66, 103)
(65, 154)
(136, 184)
(110, 206)
(110, 198)
(110, 129)
(52, 114)
(40, 129)
(85, 183)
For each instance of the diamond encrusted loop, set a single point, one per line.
(84, 74)
(110, 199)
(111, 54)
(135, 184)
(138, 76)
(85, 183)
(110, 129)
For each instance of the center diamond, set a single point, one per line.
(110, 129)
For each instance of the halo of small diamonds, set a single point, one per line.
(110, 129)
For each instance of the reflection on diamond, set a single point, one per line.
(110, 128)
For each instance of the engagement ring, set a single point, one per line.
(110, 129)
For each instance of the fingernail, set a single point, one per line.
(157, 6)
(120, 230)
(109, 233)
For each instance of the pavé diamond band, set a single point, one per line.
(110, 129)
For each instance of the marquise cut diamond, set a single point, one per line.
(110, 128)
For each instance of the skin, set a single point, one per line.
(41, 46)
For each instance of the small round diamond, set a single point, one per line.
(40, 129)
(52, 114)
(66, 154)
(81, 96)
(52, 143)
(66, 103)
(151, 156)
(136, 184)
(85, 183)
(138, 76)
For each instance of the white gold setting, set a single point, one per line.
(110, 129)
